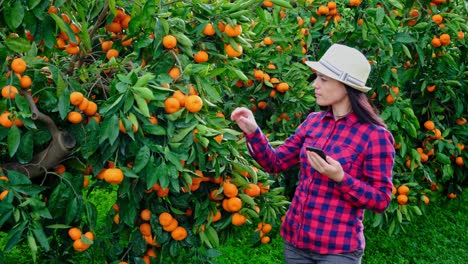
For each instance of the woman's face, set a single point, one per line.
(328, 91)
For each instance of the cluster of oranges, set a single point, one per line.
(117, 29)
(232, 31)
(84, 105)
(80, 244)
(18, 67)
(264, 229)
(146, 232)
(329, 10)
(402, 194)
(63, 41)
(170, 224)
(192, 102)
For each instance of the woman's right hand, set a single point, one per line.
(244, 119)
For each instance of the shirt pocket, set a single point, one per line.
(349, 158)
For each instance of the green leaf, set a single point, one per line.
(129, 100)
(154, 130)
(14, 15)
(41, 236)
(182, 133)
(444, 159)
(25, 150)
(20, 45)
(14, 137)
(142, 105)
(15, 234)
(29, 189)
(111, 129)
(212, 236)
(406, 51)
(72, 211)
(282, 3)
(143, 80)
(32, 245)
(141, 159)
(405, 38)
(91, 214)
(144, 92)
(396, 4)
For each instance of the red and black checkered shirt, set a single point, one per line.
(326, 216)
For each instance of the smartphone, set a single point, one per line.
(318, 151)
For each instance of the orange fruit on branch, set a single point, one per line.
(9, 91)
(172, 226)
(79, 246)
(179, 95)
(3, 194)
(179, 233)
(113, 175)
(74, 117)
(169, 42)
(18, 65)
(201, 56)
(233, 31)
(282, 87)
(230, 190)
(253, 190)
(193, 103)
(76, 98)
(171, 105)
(74, 233)
(233, 52)
(403, 189)
(402, 199)
(238, 219)
(112, 53)
(234, 204)
(145, 215)
(25, 82)
(175, 73)
(209, 30)
(106, 45)
(165, 219)
(145, 229)
(429, 125)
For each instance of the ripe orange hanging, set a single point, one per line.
(171, 105)
(201, 56)
(18, 65)
(209, 30)
(233, 52)
(169, 42)
(113, 175)
(193, 103)
(9, 91)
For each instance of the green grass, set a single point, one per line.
(439, 236)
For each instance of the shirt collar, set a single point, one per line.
(350, 118)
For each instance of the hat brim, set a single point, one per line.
(315, 65)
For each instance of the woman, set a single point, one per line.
(324, 221)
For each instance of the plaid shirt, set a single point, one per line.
(325, 216)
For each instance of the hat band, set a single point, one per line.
(342, 76)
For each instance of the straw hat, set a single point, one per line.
(344, 64)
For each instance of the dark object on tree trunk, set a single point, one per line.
(59, 147)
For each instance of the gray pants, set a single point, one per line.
(294, 255)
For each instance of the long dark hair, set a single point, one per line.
(364, 109)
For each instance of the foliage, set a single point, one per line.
(115, 54)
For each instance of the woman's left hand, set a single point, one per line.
(330, 168)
